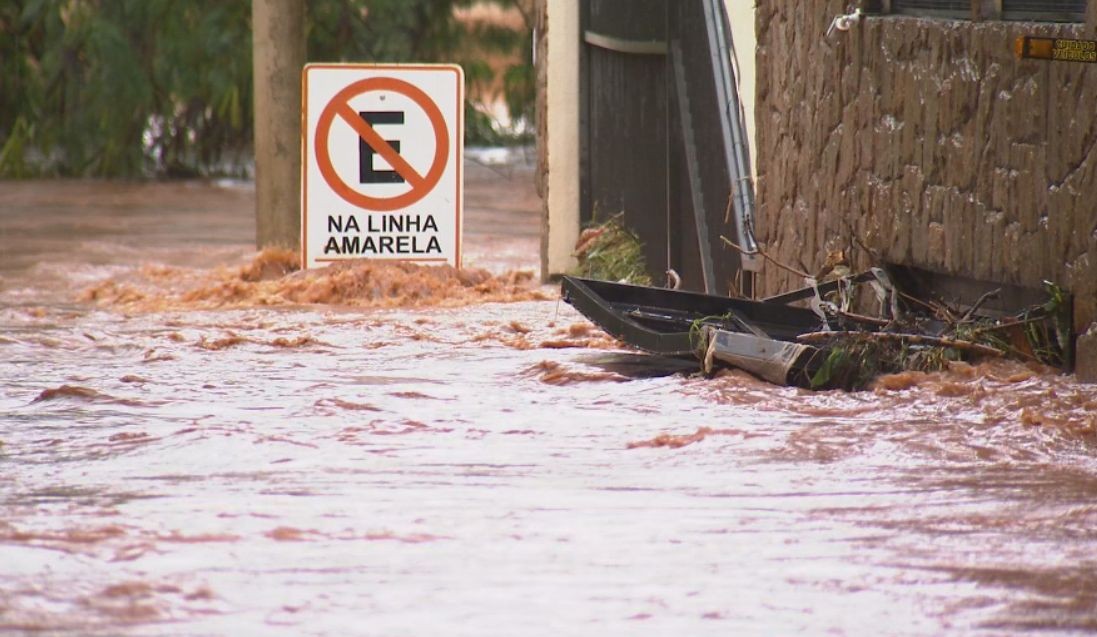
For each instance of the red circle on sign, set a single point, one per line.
(339, 106)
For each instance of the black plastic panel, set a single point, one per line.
(660, 321)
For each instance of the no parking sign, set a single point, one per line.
(382, 152)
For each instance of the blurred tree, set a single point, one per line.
(19, 89)
(436, 31)
(163, 87)
(126, 87)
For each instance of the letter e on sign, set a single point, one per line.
(382, 152)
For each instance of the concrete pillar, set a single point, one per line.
(278, 47)
(560, 228)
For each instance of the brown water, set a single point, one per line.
(196, 442)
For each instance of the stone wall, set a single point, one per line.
(929, 141)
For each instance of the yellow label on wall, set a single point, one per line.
(1059, 49)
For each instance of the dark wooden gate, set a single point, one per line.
(657, 139)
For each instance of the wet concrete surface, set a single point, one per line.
(431, 463)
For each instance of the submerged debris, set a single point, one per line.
(828, 345)
(927, 336)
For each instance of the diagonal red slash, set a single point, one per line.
(379, 145)
(339, 109)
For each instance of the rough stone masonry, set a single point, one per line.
(932, 143)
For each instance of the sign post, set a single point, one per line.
(382, 152)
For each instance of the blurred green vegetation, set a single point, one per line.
(133, 88)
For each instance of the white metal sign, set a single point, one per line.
(382, 152)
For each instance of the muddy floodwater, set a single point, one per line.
(196, 441)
